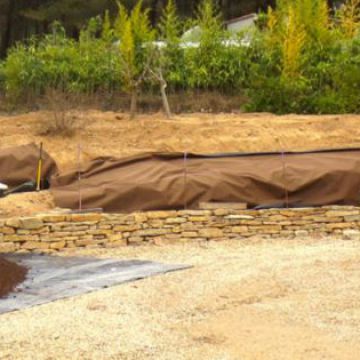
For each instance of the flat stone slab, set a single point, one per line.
(52, 278)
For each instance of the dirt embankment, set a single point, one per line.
(109, 133)
(113, 134)
(26, 204)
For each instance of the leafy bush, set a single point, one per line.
(306, 62)
(300, 59)
(59, 62)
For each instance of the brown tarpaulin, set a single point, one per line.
(175, 181)
(19, 164)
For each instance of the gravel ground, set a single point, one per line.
(242, 300)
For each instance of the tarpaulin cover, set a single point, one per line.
(174, 181)
(51, 278)
(19, 164)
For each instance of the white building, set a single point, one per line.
(234, 26)
(242, 23)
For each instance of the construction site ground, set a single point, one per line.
(260, 299)
(113, 134)
(265, 299)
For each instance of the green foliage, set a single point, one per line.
(107, 32)
(209, 20)
(59, 62)
(305, 62)
(204, 60)
(141, 26)
(215, 63)
(349, 18)
(300, 59)
(170, 58)
(170, 25)
(134, 32)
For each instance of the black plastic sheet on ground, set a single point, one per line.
(52, 278)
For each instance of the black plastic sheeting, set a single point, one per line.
(52, 278)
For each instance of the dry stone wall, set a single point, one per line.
(48, 233)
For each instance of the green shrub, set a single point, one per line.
(303, 62)
(56, 61)
(300, 58)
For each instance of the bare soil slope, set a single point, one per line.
(109, 133)
(263, 300)
(26, 204)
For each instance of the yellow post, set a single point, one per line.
(38, 176)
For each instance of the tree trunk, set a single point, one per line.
(163, 86)
(6, 41)
(133, 104)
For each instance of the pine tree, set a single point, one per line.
(293, 45)
(107, 33)
(135, 34)
(169, 25)
(349, 18)
(210, 21)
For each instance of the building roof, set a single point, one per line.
(241, 18)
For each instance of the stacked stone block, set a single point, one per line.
(50, 233)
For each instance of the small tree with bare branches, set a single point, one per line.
(168, 52)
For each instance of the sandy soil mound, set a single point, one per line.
(26, 204)
(10, 276)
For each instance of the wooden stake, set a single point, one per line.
(39, 169)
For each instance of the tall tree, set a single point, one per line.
(5, 24)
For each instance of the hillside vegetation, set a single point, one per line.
(299, 58)
(23, 18)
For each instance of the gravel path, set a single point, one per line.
(260, 300)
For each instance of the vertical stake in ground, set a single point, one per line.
(284, 175)
(185, 179)
(79, 177)
(39, 169)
